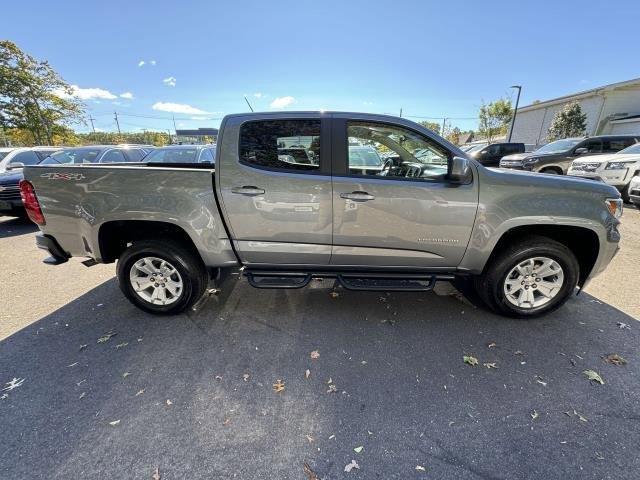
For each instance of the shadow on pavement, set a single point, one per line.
(197, 398)
(12, 227)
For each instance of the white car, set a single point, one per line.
(23, 155)
(616, 169)
(634, 190)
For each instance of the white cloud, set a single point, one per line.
(178, 108)
(170, 81)
(86, 93)
(141, 63)
(199, 118)
(257, 94)
(127, 95)
(153, 62)
(367, 103)
(281, 102)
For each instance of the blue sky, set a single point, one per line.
(433, 59)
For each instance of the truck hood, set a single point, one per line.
(613, 157)
(519, 178)
(516, 156)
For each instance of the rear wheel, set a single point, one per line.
(551, 171)
(533, 277)
(625, 193)
(161, 277)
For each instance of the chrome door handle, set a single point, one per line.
(249, 190)
(357, 196)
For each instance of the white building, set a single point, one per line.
(612, 109)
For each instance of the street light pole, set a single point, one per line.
(515, 111)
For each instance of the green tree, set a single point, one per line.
(568, 122)
(454, 135)
(33, 96)
(433, 126)
(494, 118)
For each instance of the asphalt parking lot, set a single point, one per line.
(94, 388)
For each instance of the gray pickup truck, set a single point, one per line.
(428, 214)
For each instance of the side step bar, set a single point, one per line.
(361, 281)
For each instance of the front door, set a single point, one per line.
(275, 183)
(393, 205)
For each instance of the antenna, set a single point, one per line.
(247, 100)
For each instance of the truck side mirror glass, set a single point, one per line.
(581, 151)
(460, 171)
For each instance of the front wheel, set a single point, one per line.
(532, 278)
(161, 277)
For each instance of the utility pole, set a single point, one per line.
(400, 112)
(247, 100)
(444, 122)
(174, 124)
(91, 119)
(169, 132)
(117, 123)
(515, 111)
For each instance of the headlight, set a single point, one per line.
(618, 165)
(614, 205)
(530, 161)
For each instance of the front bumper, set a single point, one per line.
(51, 246)
(12, 208)
(615, 178)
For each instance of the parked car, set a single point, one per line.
(18, 157)
(365, 160)
(183, 154)
(490, 155)
(174, 229)
(556, 157)
(97, 154)
(616, 169)
(634, 190)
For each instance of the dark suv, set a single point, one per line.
(556, 157)
(490, 155)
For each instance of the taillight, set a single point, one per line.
(30, 202)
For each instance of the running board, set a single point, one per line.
(359, 281)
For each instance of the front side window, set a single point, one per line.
(173, 155)
(616, 144)
(281, 144)
(74, 155)
(206, 156)
(113, 156)
(390, 151)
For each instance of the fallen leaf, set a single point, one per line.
(307, 373)
(169, 402)
(140, 339)
(311, 475)
(310, 438)
(358, 449)
(363, 362)
(490, 365)
(615, 359)
(114, 423)
(278, 386)
(334, 294)
(420, 468)
(140, 392)
(330, 380)
(82, 347)
(491, 345)
(226, 422)
(534, 415)
(126, 374)
(72, 365)
(623, 325)
(594, 376)
(540, 381)
(14, 383)
(245, 377)
(156, 475)
(332, 389)
(315, 354)
(331, 437)
(582, 419)
(121, 345)
(82, 395)
(218, 377)
(107, 336)
(518, 352)
(469, 360)
(350, 466)
(599, 456)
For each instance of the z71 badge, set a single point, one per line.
(63, 176)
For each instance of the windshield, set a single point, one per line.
(173, 155)
(559, 146)
(632, 149)
(364, 157)
(475, 148)
(79, 155)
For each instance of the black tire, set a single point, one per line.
(187, 263)
(552, 171)
(490, 284)
(625, 193)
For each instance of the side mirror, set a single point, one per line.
(460, 171)
(15, 166)
(581, 151)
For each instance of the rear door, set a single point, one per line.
(275, 185)
(407, 214)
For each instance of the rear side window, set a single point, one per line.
(26, 158)
(508, 149)
(617, 144)
(113, 156)
(206, 156)
(281, 144)
(135, 154)
(593, 145)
